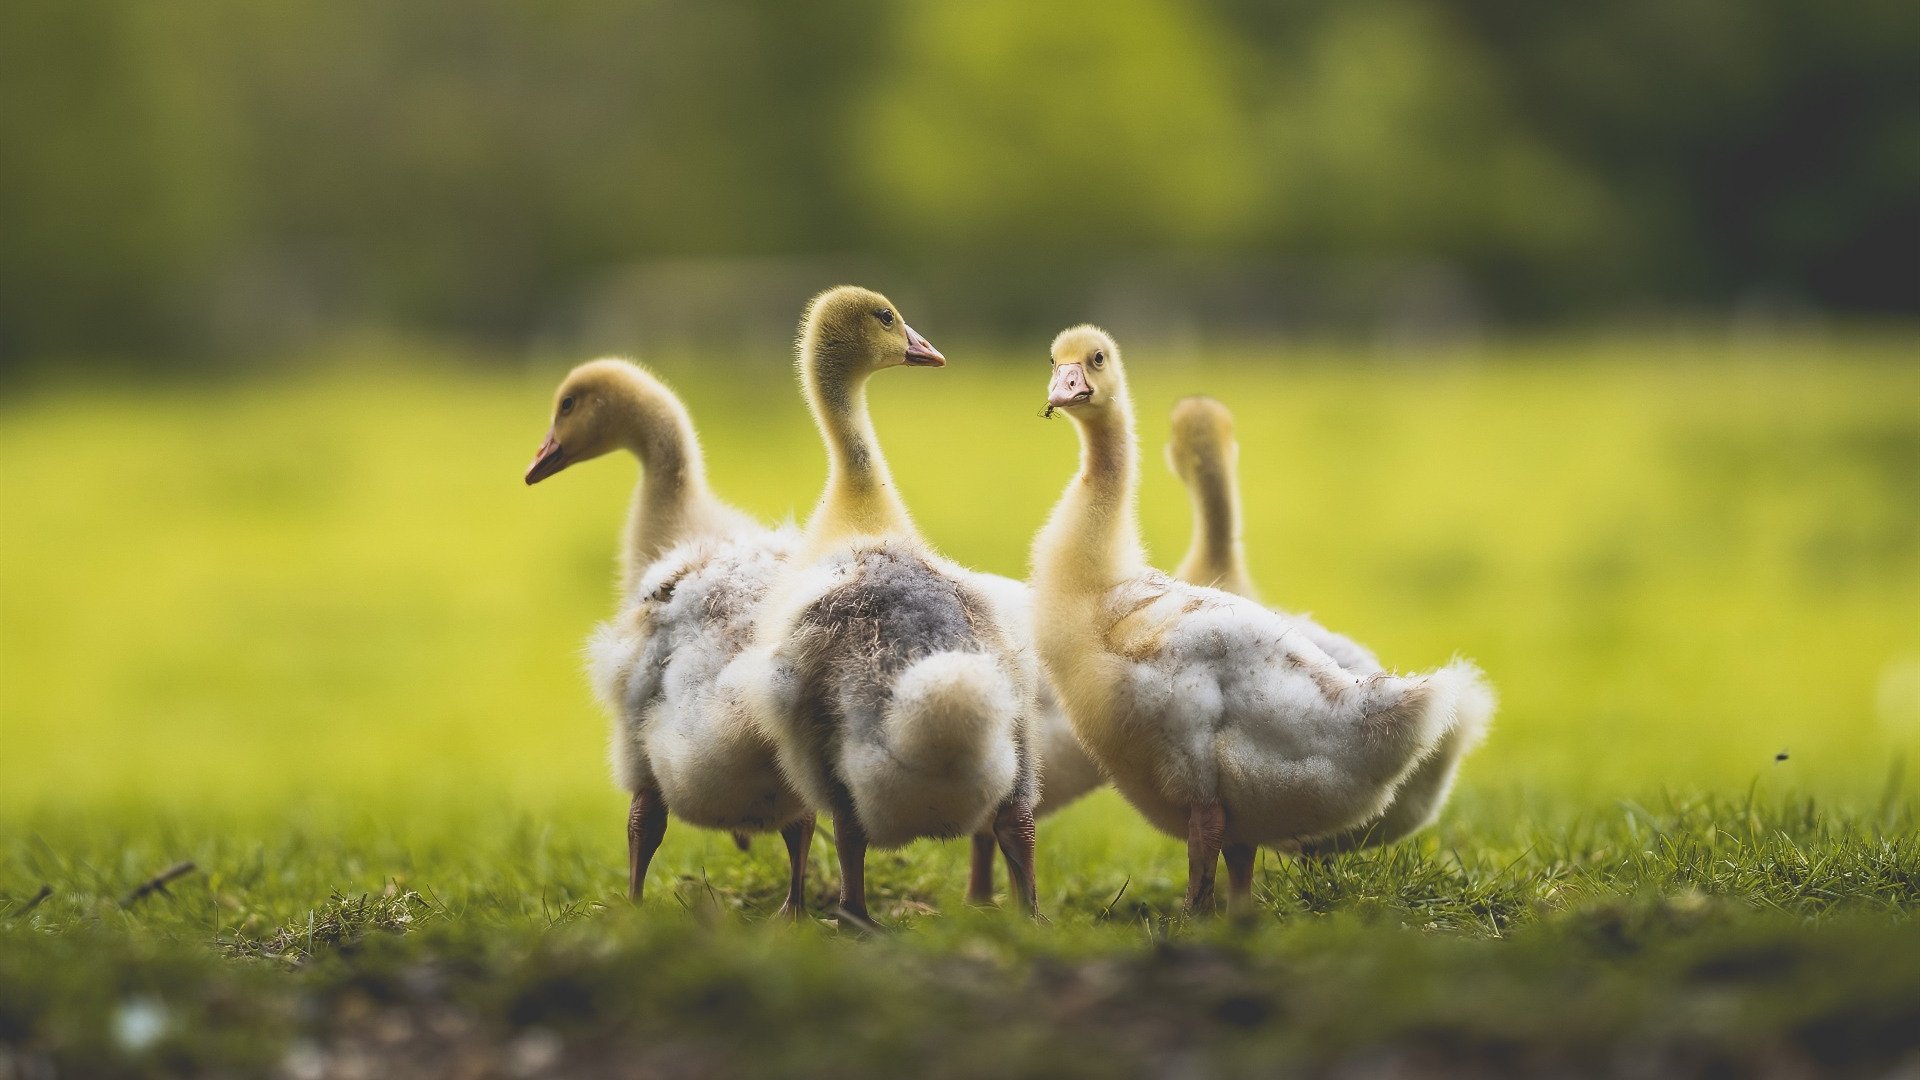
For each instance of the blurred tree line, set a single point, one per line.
(177, 174)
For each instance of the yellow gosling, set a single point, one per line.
(693, 573)
(1203, 454)
(1221, 721)
(893, 683)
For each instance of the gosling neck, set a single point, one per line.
(672, 502)
(1216, 556)
(1092, 541)
(860, 499)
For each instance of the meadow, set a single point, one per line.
(310, 632)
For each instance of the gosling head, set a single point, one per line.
(1086, 378)
(1202, 438)
(852, 332)
(586, 416)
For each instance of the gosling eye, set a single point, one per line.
(566, 405)
(1099, 360)
(885, 315)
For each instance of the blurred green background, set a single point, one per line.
(1578, 340)
(217, 179)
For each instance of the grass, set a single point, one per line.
(311, 634)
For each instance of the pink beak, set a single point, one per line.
(549, 459)
(1069, 386)
(920, 352)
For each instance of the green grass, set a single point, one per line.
(313, 635)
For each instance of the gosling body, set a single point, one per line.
(664, 667)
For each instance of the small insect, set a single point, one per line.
(1781, 756)
(1046, 413)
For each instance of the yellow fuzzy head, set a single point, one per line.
(591, 414)
(1086, 378)
(851, 332)
(1201, 440)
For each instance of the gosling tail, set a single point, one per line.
(1463, 706)
(945, 753)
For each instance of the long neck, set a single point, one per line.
(860, 499)
(1216, 556)
(1092, 540)
(671, 503)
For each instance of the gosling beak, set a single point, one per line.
(549, 459)
(1069, 386)
(920, 352)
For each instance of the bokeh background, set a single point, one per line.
(214, 178)
(1576, 339)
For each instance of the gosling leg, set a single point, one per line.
(1206, 824)
(799, 838)
(1013, 827)
(851, 839)
(1239, 877)
(980, 875)
(646, 827)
